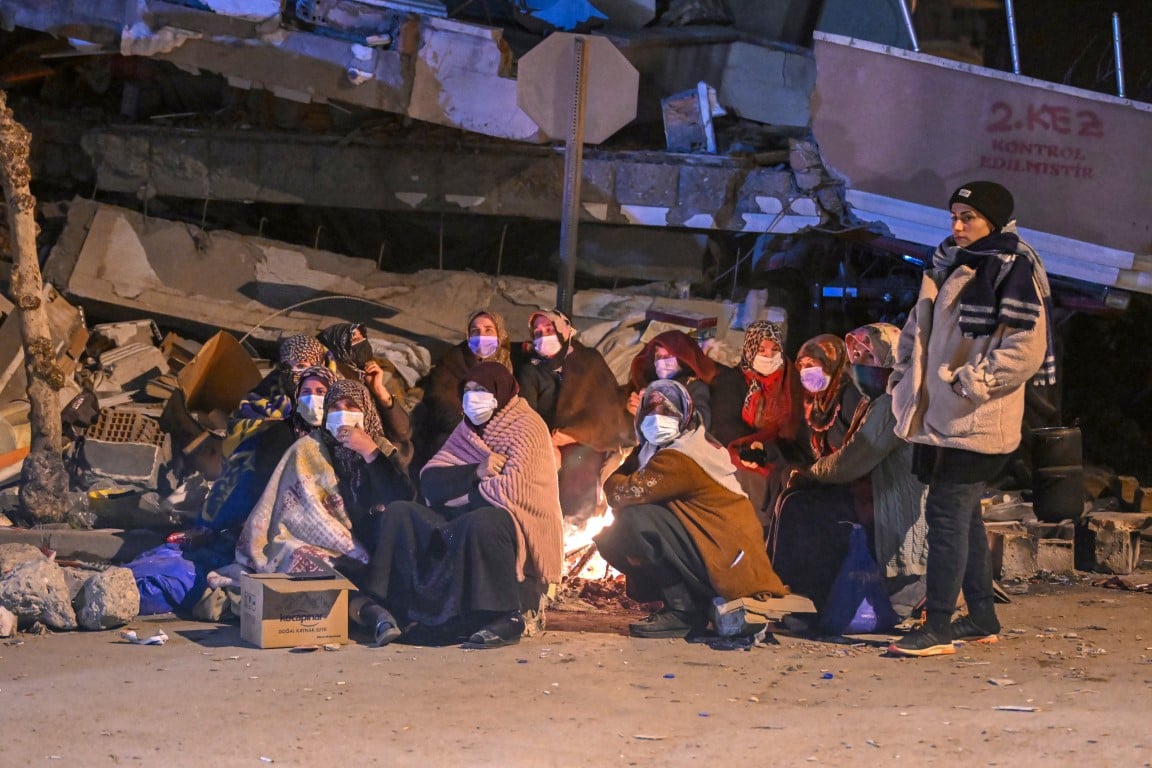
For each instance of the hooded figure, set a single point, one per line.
(456, 568)
(867, 481)
(684, 532)
(439, 412)
(674, 355)
(250, 464)
(575, 392)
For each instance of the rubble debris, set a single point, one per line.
(37, 591)
(16, 554)
(688, 119)
(109, 599)
(126, 448)
(1114, 540)
(7, 622)
(160, 638)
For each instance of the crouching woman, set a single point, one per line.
(455, 568)
(684, 531)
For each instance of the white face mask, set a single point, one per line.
(338, 419)
(666, 367)
(814, 379)
(547, 346)
(660, 430)
(479, 406)
(311, 408)
(766, 365)
(483, 346)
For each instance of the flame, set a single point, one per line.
(578, 538)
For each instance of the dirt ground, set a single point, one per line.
(1077, 658)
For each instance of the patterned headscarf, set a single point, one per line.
(503, 353)
(673, 395)
(820, 408)
(754, 334)
(295, 350)
(350, 467)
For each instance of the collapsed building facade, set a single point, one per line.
(427, 135)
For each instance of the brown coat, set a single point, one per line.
(722, 524)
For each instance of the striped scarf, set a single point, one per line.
(1010, 288)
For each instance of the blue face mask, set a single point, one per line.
(659, 429)
(483, 346)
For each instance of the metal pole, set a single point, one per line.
(573, 170)
(1013, 45)
(908, 23)
(1119, 55)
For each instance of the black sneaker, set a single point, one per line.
(967, 629)
(667, 623)
(922, 642)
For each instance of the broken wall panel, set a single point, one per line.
(433, 176)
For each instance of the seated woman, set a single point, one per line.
(676, 356)
(352, 353)
(455, 568)
(829, 398)
(249, 466)
(323, 496)
(770, 415)
(684, 530)
(574, 391)
(869, 480)
(272, 397)
(439, 412)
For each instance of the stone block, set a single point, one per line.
(1125, 488)
(1114, 538)
(1143, 500)
(109, 599)
(37, 591)
(1038, 530)
(1055, 556)
(17, 553)
(1013, 552)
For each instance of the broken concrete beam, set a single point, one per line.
(1055, 556)
(768, 86)
(104, 545)
(1115, 540)
(128, 332)
(132, 365)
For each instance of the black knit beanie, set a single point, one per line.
(991, 200)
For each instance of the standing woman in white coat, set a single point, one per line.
(978, 335)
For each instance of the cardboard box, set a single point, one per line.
(284, 611)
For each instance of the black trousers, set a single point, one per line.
(958, 557)
(431, 569)
(809, 539)
(650, 546)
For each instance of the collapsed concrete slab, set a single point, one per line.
(252, 286)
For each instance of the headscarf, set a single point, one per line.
(564, 332)
(820, 408)
(881, 339)
(693, 440)
(683, 347)
(315, 372)
(1010, 288)
(503, 354)
(338, 339)
(495, 378)
(349, 465)
(302, 348)
(275, 396)
(769, 398)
